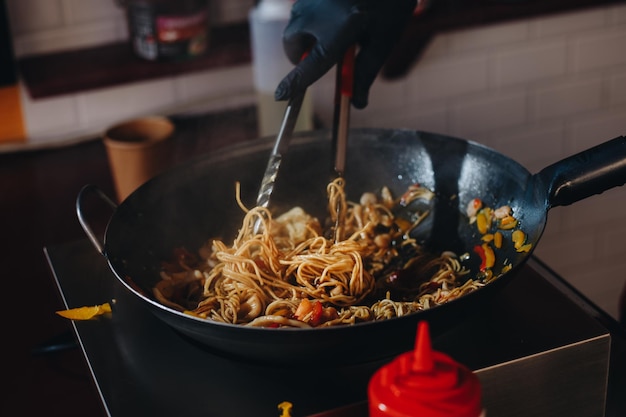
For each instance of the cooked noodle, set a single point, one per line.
(289, 274)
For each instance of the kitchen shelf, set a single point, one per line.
(114, 64)
(109, 65)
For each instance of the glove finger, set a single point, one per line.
(311, 68)
(367, 64)
(296, 43)
(372, 56)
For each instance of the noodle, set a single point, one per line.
(288, 274)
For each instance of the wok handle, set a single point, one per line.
(89, 188)
(584, 174)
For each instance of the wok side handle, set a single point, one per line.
(89, 188)
(584, 174)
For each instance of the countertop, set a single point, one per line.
(38, 190)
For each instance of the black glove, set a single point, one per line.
(327, 28)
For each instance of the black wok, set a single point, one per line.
(196, 201)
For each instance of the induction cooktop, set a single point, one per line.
(539, 349)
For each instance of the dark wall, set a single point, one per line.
(8, 75)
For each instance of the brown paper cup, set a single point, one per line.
(138, 150)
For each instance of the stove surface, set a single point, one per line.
(539, 349)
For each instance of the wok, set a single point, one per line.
(193, 202)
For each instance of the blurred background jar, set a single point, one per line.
(267, 20)
(168, 29)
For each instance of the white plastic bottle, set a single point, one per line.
(270, 64)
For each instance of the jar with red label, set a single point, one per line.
(168, 29)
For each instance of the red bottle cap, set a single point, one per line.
(424, 383)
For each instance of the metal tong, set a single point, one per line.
(341, 125)
(341, 120)
(343, 93)
(280, 148)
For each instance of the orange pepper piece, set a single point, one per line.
(508, 223)
(490, 256)
(85, 313)
(285, 409)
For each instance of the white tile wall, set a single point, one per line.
(34, 16)
(617, 89)
(68, 118)
(568, 23)
(536, 90)
(40, 26)
(86, 11)
(531, 62)
(468, 40)
(228, 11)
(51, 115)
(125, 101)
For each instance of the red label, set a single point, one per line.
(176, 28)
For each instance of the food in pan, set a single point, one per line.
(361, 265)
(490, 223)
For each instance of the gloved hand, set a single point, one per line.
(326, 28)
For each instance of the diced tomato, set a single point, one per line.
(316, 316)
(303, 309)
(310, 312)
(487, 256)
(480, 252)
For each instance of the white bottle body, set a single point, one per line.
(270, 64)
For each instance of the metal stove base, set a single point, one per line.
(536, 351)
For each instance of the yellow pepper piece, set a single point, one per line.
(285, 409)
(482, 223)
(497, 240)
(508, 223)
(488, 237)
(518, 238)
(85, 313)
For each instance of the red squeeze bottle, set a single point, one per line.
(424, 383)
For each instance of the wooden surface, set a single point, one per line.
(38, 190)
